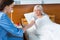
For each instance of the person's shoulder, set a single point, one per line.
(2, 14)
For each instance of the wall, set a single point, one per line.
(20, 10)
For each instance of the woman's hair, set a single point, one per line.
(39, 7)
(4, 3)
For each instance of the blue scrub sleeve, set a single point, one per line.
(9, 26)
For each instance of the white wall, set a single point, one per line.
(30, 1)
(37, 1)
(51, 1)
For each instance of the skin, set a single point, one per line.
(38, 13)
(8, 9)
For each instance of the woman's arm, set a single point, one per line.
(29, 25)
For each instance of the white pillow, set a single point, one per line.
(29, 17)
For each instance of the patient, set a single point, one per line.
(45, 28)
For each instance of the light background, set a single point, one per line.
(37, 1)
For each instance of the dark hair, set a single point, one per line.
(4, 3)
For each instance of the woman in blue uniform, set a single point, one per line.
(7, 29)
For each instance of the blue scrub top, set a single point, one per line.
(7, 29)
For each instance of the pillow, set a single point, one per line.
(29, 16)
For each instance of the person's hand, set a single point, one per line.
(24, 28)
(32, 22)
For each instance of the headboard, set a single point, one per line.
(24, 21)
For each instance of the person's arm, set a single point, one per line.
(31, 23)
(28, 25)
(6, 24)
